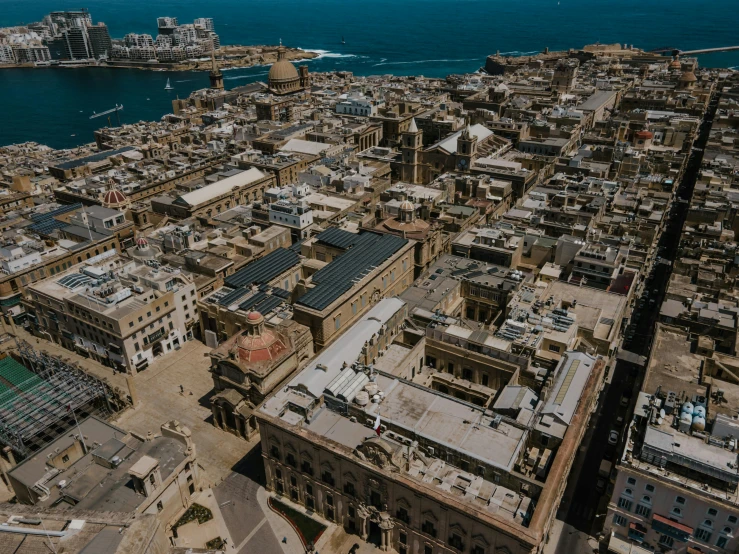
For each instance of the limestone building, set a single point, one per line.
(369, 268)
(248, 366)
(283, 78)
(412, 470)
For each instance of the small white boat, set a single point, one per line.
(168, 87)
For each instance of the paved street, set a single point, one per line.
(158, 389)
(582, 506)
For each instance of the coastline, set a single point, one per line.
(228, 57)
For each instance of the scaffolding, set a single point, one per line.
(40, 399)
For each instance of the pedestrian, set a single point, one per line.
(182, 389)
(284, 540)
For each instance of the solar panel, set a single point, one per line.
(369, 251)
(74, 280)
(264, 269)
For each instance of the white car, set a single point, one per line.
(613, 437)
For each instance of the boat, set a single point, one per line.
(168, 87)
(342, 40)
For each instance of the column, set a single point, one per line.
(216, 415)
(224, 425)
(363, 516)
(239, 425)
(386, 527)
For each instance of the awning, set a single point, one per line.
(673, 524)
(638, 527)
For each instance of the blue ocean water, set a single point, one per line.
(402, 37)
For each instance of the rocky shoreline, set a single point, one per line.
(228, 57)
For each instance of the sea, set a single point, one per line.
(400, 37)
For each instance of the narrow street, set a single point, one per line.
(581, 511)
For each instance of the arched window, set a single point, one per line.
(646, 498)
(708, 523)
(629, 492)
(727, 530)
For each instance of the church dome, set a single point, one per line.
(114, 199)
(142, 243)
(283, 77)
(282, 71)
(688, 77)
(675, 64)
(407, 206)
(258, 344)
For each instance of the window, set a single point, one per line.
(477, 549)
(708, 523)
(65, 459)
(166, 304)
(330, 499)
(646, 499)
(428, 528)
(309, 489)
(628, 492)
(732, 519)
(337, 323)
(159, 308)
(679, 500)
(130, 323)
(148, 314)
(354, 308)
(428, 549)
(722, 542)
(136, 346)
(291, 459)
(349, 489)
(625, 504)
(141, 318)
(727, 530)
(703, 535)
(643, 511)
(676, 512)
(631, 481)
(649, 488)
(326, 477)
(554, 348)
(455, 541)
(485, 379)
(274, 452)
(712, 512)
(306, 467)
(619, 520)
(402, 515)
(664, 540)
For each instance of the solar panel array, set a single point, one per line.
(45, 224)
(265, 269)
(74, 280)
(338, 238)
(369, 251)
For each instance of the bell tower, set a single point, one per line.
(216, 77)
(411, 144)
(466, 149)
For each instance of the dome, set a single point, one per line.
(254, 316)
(114, 198)
(282, 71)
(675, 64)
(406, 206)
(688, 77)
(141, 242)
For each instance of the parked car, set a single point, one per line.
(600, 486)
(613, 437)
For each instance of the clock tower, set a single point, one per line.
(411, 144)
(466, 149)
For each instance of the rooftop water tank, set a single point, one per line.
(699, 424)
(687, 408)
(362, 398)
(685, 421)
(700, 411)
